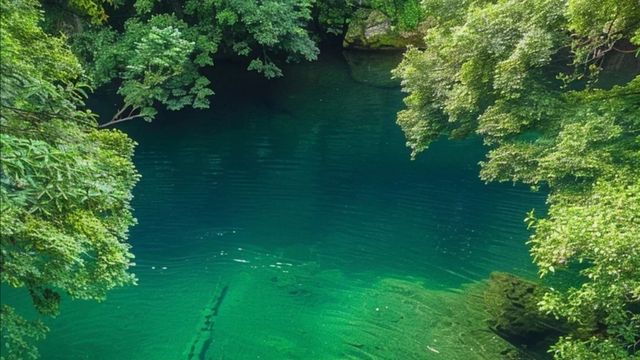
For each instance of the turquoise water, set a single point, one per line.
(288, 222)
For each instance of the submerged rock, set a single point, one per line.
(404, 319)
(512, 304)
(373, 68)
(373, 30)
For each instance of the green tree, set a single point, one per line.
(332, 16)
(152, 60)
(159, 53)
(489, 70)
(65, 186)
(406, 14)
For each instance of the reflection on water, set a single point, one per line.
(288, 222)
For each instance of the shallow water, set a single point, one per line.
(288, 222)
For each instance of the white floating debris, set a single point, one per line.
(433, 350)
(164, 268)
(153, 268)
(241, 260)
(240, 249)
(377, 309)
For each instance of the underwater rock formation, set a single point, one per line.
(373, 68)
(203, 339)
(512, 303)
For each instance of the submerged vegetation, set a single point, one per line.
(528, 76)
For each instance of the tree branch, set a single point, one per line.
(33, 114)
(44, 115)
(115, 121)
(120, 112)
(117, 117)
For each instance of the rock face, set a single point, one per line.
(512, 305)
(373, 30)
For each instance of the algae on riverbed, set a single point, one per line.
(318, 317)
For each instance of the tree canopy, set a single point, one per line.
(157, 54)
(65, 186)
(486, 71)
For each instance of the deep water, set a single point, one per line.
(288, 222)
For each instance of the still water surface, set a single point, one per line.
(288, 222)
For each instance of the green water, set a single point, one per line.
(288, 222)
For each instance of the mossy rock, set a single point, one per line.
(512, 304)
(373, 30)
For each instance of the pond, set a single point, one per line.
(288, 222)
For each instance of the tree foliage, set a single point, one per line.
(158, 54)
(406, 14)
(65, 186)
(486, 71)
(189, 34)
(151, 60)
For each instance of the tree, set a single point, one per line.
(489, 70)
(188, 34)
(65, 186)
(152, 62)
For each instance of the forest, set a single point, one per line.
(549, 88)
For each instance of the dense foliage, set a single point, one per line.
(158, 53)
(65, 186)
(485, 72)
(406, 14)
